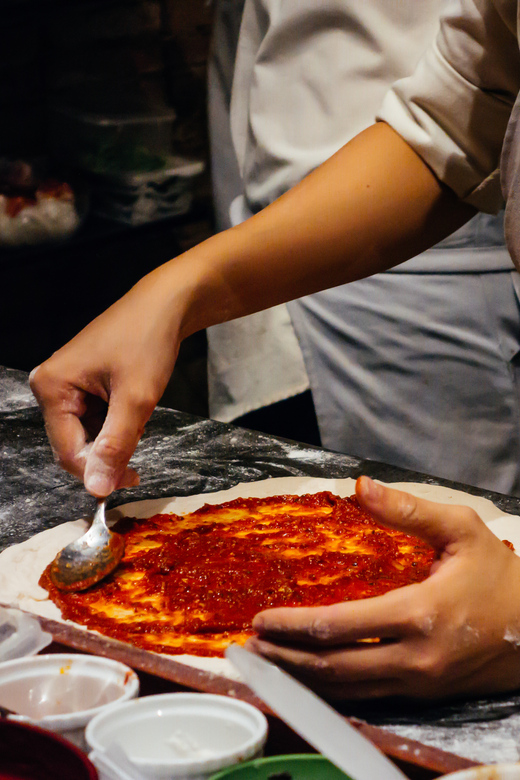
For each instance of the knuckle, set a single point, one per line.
(469, 524)
(469, 517)
(408, 507)
(142, 402)
(427, 666)
(323, 668)
(420, 619)
(39, 379)
(110, 449)
(48, 385)
(320, 629)
(34, 375)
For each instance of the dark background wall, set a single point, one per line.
(52, 50)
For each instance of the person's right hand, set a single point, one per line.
(99, 390)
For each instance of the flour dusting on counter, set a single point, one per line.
(495, 742)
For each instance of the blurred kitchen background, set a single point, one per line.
(104, 168)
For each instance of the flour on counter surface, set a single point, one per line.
(495, 742)
(15, 392)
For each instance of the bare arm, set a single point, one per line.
(371, 206)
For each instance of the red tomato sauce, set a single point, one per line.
(214, 570)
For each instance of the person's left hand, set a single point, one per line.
(456, 632)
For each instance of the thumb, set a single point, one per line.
(439, 525)
(106, 466)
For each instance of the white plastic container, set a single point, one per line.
(125, 147)
(140, 197)
(179, 735)
(63, 692)
(111, 137)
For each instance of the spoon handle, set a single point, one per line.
(99, 515)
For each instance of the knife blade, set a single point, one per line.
(313, 719)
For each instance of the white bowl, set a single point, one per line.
(494, 772)
(180, 735)
(63, 692)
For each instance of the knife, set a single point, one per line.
(313, 719)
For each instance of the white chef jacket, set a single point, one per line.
(308, 77)
(460, 109)
(454, 110)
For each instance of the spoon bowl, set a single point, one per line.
(90, 558)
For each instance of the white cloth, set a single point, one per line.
(237, 350)
(253, 361)
(225, 176)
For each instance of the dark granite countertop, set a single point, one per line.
(181, 455)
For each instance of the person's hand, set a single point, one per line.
(456, 632)
(99, 390)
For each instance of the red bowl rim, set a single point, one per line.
(51, 735)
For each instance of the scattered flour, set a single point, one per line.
(493, 742)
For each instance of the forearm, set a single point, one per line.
(370, 207)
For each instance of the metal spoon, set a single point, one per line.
(90, 558)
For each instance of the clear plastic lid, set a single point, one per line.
(20, 635)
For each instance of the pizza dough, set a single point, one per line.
(22, 565)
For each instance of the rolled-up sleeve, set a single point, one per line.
(454, 109)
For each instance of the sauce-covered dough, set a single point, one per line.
(193, 583)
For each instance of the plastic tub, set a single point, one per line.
(136, 198)
(180, 735)
(108, 139)
(63, 692)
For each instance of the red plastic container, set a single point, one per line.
(30, 753)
